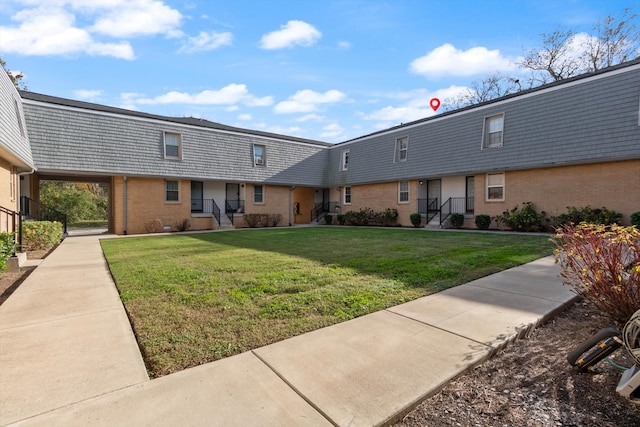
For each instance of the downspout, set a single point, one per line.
(291, 203)
(124, 206)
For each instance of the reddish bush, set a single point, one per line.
(602, 263)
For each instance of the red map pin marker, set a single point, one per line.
(435, 103)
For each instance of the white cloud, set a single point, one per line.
(344, 45)
(50, 31)
(447, 60)
(310, 118)
(305, 101)
(206, 41)
(333, 130)
(229, 95)
(416, 105)
(136, 18)
(291, 34)
(87, 94)
(71, 27)
(245, 117)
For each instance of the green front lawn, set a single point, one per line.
(195, 298)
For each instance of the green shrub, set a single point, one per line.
(37, 235)
(389, 217)
(602, 263)
(7, 247)
(483, 221)
(416, 219)
(340, 218)
(524, 219)
(589, 215)
(457, 220)
(328, 219)
(635, 219)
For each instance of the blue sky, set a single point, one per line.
(328, 70)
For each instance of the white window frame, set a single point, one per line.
(401, 149)
(260, 160)
(403, 191)
(346, 193)
(489, 185)
(487, 131)
(344, 164)
(167, 190)
(179, 145)
(261, 201)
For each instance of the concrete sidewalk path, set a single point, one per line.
(364, 372)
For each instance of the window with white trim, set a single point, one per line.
(402, 145)
(171, 191)
(347, 196)
(259, 155)
(172, 145)
(258, 194)
(495, 187)
(493, 127)
(345, 160)
(403, 192)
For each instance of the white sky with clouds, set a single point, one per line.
(329, 70)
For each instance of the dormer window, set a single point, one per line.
(345, 160)
(402, 145)
(172, 145)
(493, 126)
(259, 155)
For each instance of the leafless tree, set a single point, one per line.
(615, 41)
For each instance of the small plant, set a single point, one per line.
(7, 247)
(602, 263)
(253, 220)
(183, 224)
(457, 219)
(635, 219)
(416, 219)
(328, 219)
(524, 219)
(341, 218)
(272, 220)
(483, 221)
(38, 235)
(389, 217)
(587, 214)
(153, 226)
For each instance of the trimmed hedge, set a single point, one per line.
(7, 247)
(37, 235)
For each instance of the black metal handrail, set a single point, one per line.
(428, 205)
(231, 206)
(322, 208)
(215, 210)
(35, 210)
(13, 224)
(453, 205)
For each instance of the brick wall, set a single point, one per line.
(383, 196)
(276, 201)
(614, 185)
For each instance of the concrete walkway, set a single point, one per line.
(68, 356)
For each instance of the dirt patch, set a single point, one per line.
(530, 383)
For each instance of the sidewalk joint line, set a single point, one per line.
(295, 389)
